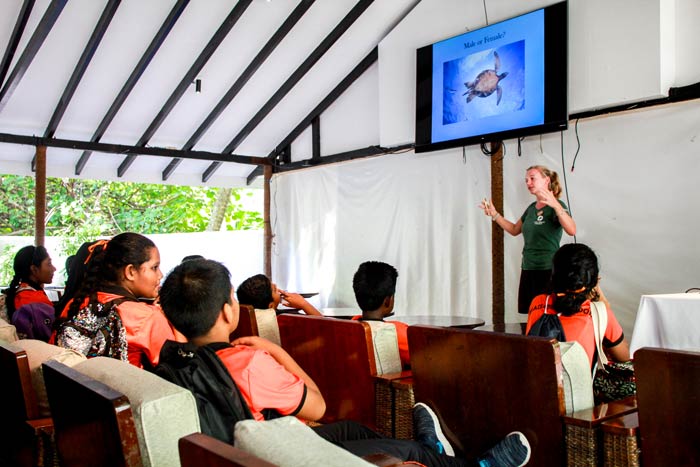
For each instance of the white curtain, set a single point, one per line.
(634, 195)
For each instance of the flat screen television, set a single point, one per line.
(502, 81)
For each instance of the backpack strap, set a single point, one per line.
(599, 315)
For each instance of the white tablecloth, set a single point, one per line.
(669, 321)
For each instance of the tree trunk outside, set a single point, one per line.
(218, 212)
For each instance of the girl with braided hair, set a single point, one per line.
(28, 307)
(122, 274)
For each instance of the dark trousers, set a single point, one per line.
(361, 441)
(532, 284)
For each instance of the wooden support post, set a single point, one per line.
(267, 253)
(40, 196)
(498, 283)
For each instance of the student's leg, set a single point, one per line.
(362, 441)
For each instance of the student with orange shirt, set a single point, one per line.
(119, 273)
(198, 299)
(374, 284)
(574, 283)
(28, 306)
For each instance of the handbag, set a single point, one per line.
(612, 380)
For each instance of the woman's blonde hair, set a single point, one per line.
(554, 185)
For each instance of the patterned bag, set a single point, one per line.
(95, 331)
(613, 380)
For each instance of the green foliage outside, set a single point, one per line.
(82, 210)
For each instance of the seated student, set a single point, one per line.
(261, 293)
(76, 265)
(197, 298)
(119, 273)
(374, 284)
(574, 283)
(28, 306)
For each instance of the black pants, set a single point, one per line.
(361, 441)
(532, 284)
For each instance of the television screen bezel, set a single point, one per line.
(556, 114)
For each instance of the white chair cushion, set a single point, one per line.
(163, 412)
(578, 382)
(287, 442)
(8, 333)
(267, 325)
(39, 352)
(386, 347)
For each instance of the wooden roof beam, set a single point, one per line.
(186, 81)
(138, 70)
(293, 79)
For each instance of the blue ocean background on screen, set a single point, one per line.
(519, 43)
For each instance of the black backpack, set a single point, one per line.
(219, 402)
(548, 325)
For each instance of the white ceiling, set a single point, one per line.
(27, 108)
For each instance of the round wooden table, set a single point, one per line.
(445, 321)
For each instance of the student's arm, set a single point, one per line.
(621, 352)
(314, 406)
(294, 300)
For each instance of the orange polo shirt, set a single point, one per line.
(579, 326)
(263, 382)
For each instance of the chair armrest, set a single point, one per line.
(388, 377)
(591, 418)
(44, 425)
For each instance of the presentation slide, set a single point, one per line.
(489, 80)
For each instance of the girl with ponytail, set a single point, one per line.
(28, 306)
(573, 285)
(124, 271)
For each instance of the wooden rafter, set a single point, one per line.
(293, 79)
(250, 70)
(42, 30)
(138, 70)
(214, 43)
(16, 35)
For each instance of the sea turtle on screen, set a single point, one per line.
(486, 82)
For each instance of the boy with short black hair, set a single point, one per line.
(261, 293)
(197, 298)
(374, 284)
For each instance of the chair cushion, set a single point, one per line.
(39, 352)
(287, 442)
(8, 333)
(267, 325)
(163, 412)
(578, 382)
(386, 347)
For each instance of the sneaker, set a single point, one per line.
(426, 430)
(511, 451)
